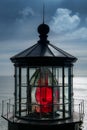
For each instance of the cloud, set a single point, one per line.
(79, 34)
(25, 14)
(63, 21)
(76, 37)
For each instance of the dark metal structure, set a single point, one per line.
(44, 87)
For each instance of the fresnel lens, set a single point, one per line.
(44, 94)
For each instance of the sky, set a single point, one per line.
(19, 20)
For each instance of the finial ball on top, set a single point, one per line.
(43, 29)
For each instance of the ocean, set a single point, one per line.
(7, 91)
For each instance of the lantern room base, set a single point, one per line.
(66, 126)
(73, 123)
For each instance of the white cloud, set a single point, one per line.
(27, 11)
(24, 14)
(79, 35)
(63, 21)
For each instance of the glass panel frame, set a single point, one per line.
(26, 81)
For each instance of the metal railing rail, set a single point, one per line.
(79, 107)
(8, 108)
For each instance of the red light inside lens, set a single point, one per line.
(44, 98)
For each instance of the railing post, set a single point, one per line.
(13, 112)
(73, 104)
(83, 106)
(9, 104)
(82, 109)
(7, 109)
(79, 112)
(2, 107)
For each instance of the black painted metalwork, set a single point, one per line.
(43, 68)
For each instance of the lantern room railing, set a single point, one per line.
(8, 109)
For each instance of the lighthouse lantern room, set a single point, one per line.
(43, 94)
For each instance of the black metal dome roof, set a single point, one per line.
(43, 49)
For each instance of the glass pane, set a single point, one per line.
(34, 76)
(66, 76)
(17, 108)
(59, 113)
(59, 72)
(60, 95)
(66, 96)
(55, 76)
(67, 110)
(17, 93)
(17, 75)
(39, 76)
(23, 92)
(23, 76)
(56, 98)
(33, 95)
